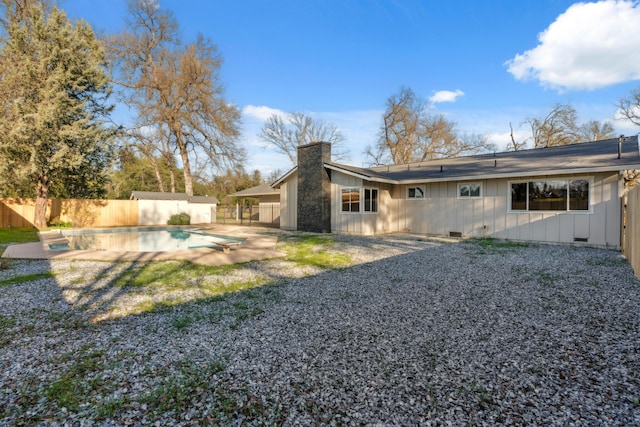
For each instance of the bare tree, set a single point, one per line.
(560, 127)
(630, 107)
(556, 128)
(177, 86)
(286, 134)
(594, 130)
(409, 134)
(155, 145)
(515, 146)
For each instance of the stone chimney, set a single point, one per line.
(314, 188)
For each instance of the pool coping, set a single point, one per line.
(255, 247)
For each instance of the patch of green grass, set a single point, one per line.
(615, 262)
(26, 278)
(178, 391)
(546, 279)
(18, 235)
(56, 316)
(170, 275)
(181, 322)
(7, 322)
(314, 251)
(77, 383)
(109, 407)
(491, 245)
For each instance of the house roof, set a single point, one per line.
(284, 177)
(258, 190)
(588, 157)
(158, 195)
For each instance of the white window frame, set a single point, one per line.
(416, 187)
(479, 196)
(371, 200)
(350, 190)
(362, 207)
(567, 180)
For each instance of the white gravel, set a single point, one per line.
(418, 332)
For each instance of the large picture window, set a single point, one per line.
(354, 197)
(550, 195)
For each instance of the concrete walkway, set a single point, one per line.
(255, 247)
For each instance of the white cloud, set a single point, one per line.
(623, 124)
(445, 96)
(590, 45)
(503, 142)
(261, 112)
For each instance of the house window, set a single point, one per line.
(371, 200)
(550, 195)
(469, 190)
(579, 195)
(350, 200)
(353, 196)
(415, 193)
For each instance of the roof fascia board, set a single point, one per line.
(580, 171)
(284, 177)
(361, 176)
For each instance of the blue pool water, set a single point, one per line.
(150, 239)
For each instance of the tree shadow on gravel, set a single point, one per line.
(107, 290)
(457, 333)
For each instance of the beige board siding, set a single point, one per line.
(269, 212)
(615, 187)
(289, 203)
(631, 247)
(269, 209)
(344, 222)
(365, 223)
(442, 212)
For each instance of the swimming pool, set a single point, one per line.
(150, 239)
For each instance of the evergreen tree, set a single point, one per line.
(54, 90)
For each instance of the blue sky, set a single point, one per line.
(482, 64)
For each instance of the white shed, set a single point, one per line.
(155, 208)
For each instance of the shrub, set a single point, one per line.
(57, 223)
(179, 219)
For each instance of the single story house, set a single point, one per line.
(155, 208)
(268, 202)
(567, 194)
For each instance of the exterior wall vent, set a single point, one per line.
(455, 234)
(580, 239)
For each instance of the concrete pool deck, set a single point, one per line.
(255, 247)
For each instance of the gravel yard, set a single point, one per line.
(413, 332)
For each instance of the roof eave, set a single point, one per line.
(361, 175)
(550, 172)
(284, 177)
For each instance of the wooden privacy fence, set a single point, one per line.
(631, 237)
(80, 213)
